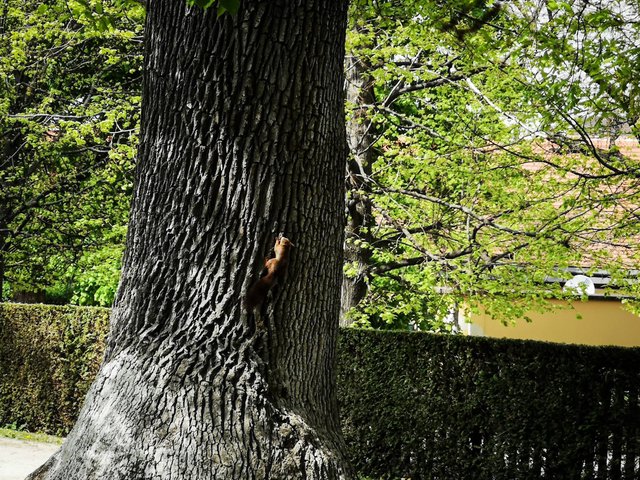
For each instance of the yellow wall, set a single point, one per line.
(603, 322)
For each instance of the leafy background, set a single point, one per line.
(485, 152)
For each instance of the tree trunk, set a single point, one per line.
(360, 135)
(242, 138)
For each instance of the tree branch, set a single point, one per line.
(436, 82)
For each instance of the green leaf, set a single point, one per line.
(230, 6)
(204, 4)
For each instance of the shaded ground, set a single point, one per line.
(18, 458)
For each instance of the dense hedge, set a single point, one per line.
(49, 356)
(442, 407)
(413, 406)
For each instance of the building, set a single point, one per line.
(598, 319)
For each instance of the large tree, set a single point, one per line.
(242, 138)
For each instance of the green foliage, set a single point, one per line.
(469, 202)
(48, 358)
(12, 432)
(93, 277)
(465, 407)
(5, 293)
(453, 406)
(70, 103)
(411, 301)
(485, 178)
(97, 281)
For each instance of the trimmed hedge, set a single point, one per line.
(449, 407)
(49, 355)
(413, 405)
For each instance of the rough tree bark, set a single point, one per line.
(360, 137)
(242, 138)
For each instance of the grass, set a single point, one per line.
(31, 437)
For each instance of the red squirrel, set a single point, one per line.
(274, 269)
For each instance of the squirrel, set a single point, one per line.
(274, 269)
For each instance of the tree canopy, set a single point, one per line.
(487, 151)
(70, 113)
(487, 159)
